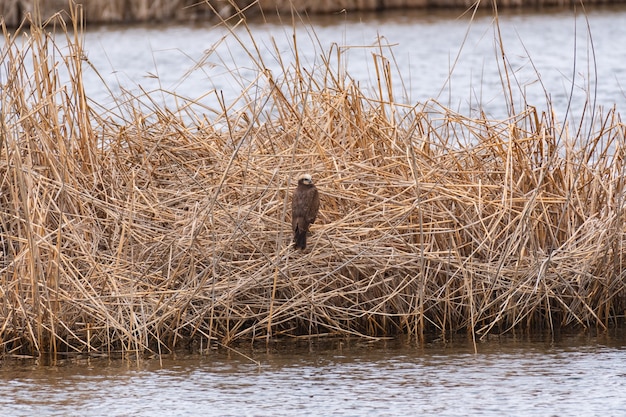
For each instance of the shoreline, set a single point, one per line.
(13, 12)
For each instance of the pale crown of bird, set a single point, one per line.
(306, 178)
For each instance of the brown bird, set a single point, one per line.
(304, 207)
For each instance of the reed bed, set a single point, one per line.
(158, 229)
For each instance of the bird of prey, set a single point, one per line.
(305, 204)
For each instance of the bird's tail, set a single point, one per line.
(299, 239)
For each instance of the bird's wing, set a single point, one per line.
(314, 205)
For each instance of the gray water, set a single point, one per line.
(564, 57)
(570, 376)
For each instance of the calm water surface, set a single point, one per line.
(565, 57)
(574, 375)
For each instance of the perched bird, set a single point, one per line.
(305, 204)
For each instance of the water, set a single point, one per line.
(574, 375)
(563, 57)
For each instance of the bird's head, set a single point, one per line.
(305, 179)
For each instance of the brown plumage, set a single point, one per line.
(304, 207)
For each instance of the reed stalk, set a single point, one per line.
(159, 232)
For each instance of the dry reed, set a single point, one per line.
(153, 233)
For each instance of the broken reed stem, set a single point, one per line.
(152, 233)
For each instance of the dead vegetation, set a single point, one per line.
(155, 232)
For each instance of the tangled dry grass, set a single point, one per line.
(155, 232)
